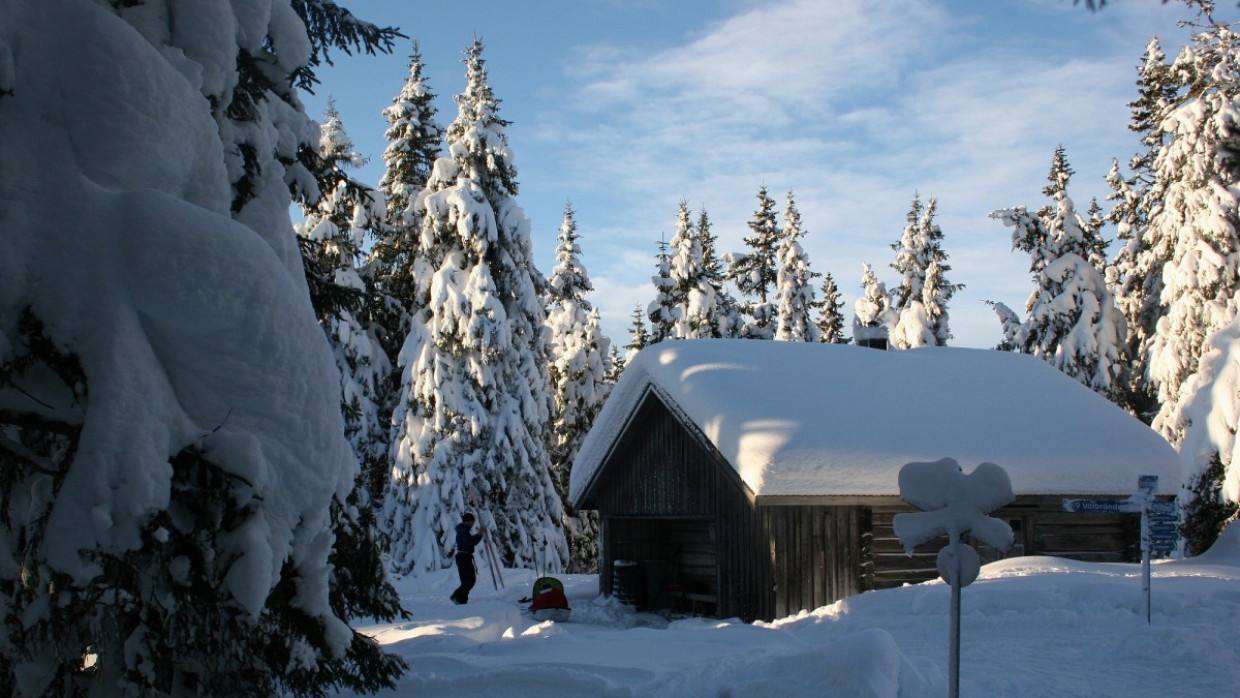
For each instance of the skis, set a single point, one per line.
(495, 569)
(493, 564)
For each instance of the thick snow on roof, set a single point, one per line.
(824, 419)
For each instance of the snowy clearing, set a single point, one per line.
(1031, 626)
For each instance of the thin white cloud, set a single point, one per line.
(855, 105)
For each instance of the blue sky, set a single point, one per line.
(626, 107)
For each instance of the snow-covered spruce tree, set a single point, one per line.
(1009, 323)
(1136, 290)
(471, 420)
(577, 361)
(1071, 320)
(638, 337)
(873, 318)
(1207, 510)
(731, 323)
(175, 468)
(615, 364)
(1135, 274)
(332, 235)
(693, 291)
(754, 272)
(831, 313)
(414, 141)
(794, 283)
(921, 299)
(1208, 452)
(1194, 227)
(664, 311)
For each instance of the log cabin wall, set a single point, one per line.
(1040, 525)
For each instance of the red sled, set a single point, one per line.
(549, 601)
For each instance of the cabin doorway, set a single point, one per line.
(665, 564)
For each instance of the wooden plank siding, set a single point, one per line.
(662, 471)
(818, 555)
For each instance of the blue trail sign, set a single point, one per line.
(1101, 506)
(1159, 522)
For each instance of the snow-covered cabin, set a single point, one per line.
(754, 478)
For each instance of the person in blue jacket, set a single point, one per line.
(465, 569)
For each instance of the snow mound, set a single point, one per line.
(1225, 551)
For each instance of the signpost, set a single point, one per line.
(1160, 531)
(954, 504)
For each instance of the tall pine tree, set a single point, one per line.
(414, 140)
(1193, 229)
(577, 361)
(475, 403)
(1071, 320)
(693, 290)
(831, 313)
(638, 337)
(731, 324)
(754, 272)
(333, 232)
(794, 283)
(1178, 273)
(204, 545)
(664, 311)
(924, 291)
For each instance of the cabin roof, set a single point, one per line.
(806, 419)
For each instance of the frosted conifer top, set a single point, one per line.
(826, 419)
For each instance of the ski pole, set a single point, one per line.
(486, 540)
(490, 567)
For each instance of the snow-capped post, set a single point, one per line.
(954, 504)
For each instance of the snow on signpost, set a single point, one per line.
(954, 504)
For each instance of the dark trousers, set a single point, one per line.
(468, 574)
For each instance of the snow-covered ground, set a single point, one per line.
(1031, 626)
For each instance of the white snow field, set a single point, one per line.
(1031, 626)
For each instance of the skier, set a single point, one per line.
(465, 542)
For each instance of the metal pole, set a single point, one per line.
(1146, 486)
(953, 669)
(1145, 561)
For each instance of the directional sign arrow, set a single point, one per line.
(1102, 506)
(1163, 508)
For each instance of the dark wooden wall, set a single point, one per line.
(819, 555)
(1040, 525)
(769, 561)
(662, 471)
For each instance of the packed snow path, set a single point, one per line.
(1032, 626)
